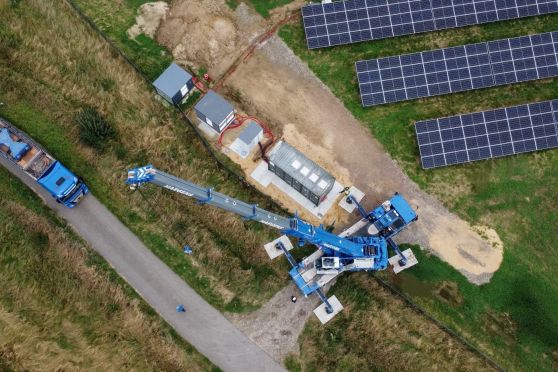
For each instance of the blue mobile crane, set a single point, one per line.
(335, 254)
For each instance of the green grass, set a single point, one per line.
(50, 73)
(62, 304)
(261, 6)
(265, 6)
(514, 195)
(148, 55)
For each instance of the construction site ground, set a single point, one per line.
(275, 86)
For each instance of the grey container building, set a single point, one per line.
(174, 84)
(305, 176)
(248, 139)
(215, 111)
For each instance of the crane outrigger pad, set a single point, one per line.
(350, 207)
(273, 251)
(411, 261)
(321, 312)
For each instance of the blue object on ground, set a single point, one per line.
(187, 249)
(180, 309)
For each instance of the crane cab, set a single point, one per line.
(326, 265)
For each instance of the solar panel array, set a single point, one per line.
(457, 69)
(488, 134)
(344, 22)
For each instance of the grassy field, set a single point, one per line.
(62, 307)
(514, 317)
(261, 6)
(51, 66)
(378, 332)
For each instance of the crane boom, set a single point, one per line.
(206, 196)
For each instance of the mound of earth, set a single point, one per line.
(208, 34)
(149, 18)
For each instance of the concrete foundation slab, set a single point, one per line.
(272, 251)
(358, 195)
(239, 149)
(264, 177)
(353, 229)
(411, 261)
(321, 313)
(208, 130)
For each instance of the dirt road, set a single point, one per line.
(202, 326)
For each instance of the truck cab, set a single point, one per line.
(63, 185)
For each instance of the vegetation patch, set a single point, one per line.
(95, 130)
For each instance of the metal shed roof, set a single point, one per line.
(302, 169)
(251, 131)
(172, 79)
(214, 107)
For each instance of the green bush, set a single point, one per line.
(95, 131)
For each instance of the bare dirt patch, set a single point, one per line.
(208, 34)
(280, 86)
(149, 18)
(276, 326)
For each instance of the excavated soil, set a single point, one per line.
(208, 34)
(149, 18)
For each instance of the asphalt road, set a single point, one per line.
(202, 326)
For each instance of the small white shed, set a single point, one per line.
(248, 139)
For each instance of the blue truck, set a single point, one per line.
(59, 181)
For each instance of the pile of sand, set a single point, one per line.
(150, 16)
(208, 33)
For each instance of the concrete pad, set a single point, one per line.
(321, 313)
(309, 274)
(357, 194)
(264, 177)
(353, 229)
(237, 148)
(411, 261)
(326, 278)
(208, 130)
(272, 251)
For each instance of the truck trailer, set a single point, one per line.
(59, 181)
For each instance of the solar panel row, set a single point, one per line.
(457, 69)
(344, 22)
(488, 134)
